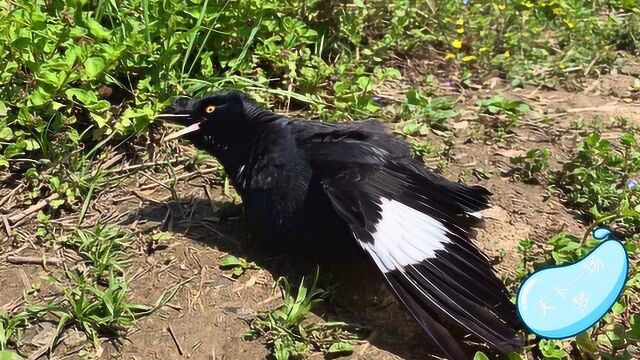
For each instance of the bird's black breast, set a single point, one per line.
(286, 208)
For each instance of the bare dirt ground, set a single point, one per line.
(210, 312)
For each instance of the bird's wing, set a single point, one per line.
(415, 226)
(371, 131)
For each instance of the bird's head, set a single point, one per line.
(221, 119)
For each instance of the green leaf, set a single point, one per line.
(412, 128)
(97, 30)
(39, 97)
(364, 82)
(56, 203)
(84, 96)
(480, 356)
(6, 133)
(552, 349)
(618, 308)
(634, 333)
(281, 350)
(522, 107)
(12, 151)
(100, 121)
(3, 109)
(230, 262)
(237, 272)
(73, 135)
(616, 336)
(9, 355)
(93, 66)
(29, 144)
(340, 348)
(585, 344)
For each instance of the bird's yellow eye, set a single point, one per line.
(210, 109)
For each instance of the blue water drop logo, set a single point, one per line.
(562, 301)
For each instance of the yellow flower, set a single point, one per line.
(507, 54)
(502, 6)
(483, 49)
(569, 23)
(460, 22)
(528, 4)
(469, 58)
(449, 56)
(456, 44)
(460, 30)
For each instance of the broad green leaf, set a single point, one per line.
(6, 133)
(480, 356)
(97, 30)
(231, 261)
(618, 308)
(93, 66)
(12, 151)
(84, 96)
(238, 271)
(341, 348)
(9, 355)
(552, 349)
(56, 203)
(39, 97)
(585, 344)
(522, 107)
(100, 121)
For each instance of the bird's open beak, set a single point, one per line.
(179, 133)
(180, 112)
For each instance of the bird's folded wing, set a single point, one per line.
(415, 228)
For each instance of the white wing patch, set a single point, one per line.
(404, 236)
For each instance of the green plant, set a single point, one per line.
(499, 105)
(619, 330)
(12, 325)
(425, 111)
(288, 333)
(525, 248)
(594, 180)
(422, 149)
(93, 295)
(532, 167)
(103, 248)
(9, 355)
(97, 310)
(567, 248)
(505, 113)
(238, 266)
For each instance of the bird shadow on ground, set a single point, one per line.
(358, 295)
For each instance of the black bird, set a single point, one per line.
(320, 189)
